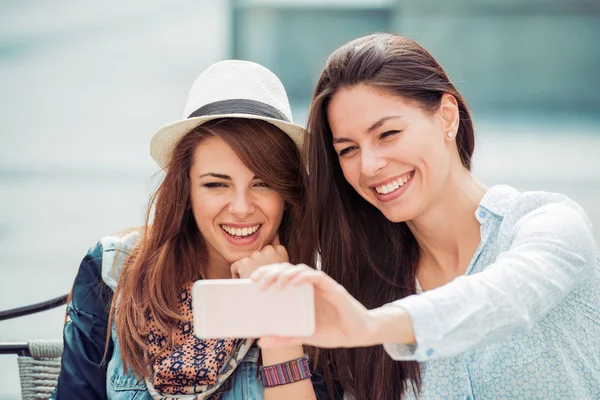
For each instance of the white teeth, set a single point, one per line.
(392, 186)
(240, 232)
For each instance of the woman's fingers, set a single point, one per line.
(279, 275)
(267, 276)
(284, 277)
(287, 274)
(320, 280)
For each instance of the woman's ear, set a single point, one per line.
(449, 113)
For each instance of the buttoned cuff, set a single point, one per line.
(422, 315)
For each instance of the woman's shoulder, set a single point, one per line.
(114, 250)
(537, 215)
(513, 206)
(123, 241)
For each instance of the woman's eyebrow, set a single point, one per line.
(215, 175)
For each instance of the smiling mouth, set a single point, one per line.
(241, 233)
(394, 185)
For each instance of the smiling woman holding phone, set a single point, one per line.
(234, 187)
(476, 292)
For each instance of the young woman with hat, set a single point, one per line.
(234, 186)
(481, 293)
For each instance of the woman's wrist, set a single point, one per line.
(281, 355)
(283, 367)
(285, 373)
(390, 324)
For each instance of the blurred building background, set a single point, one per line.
(85, 85)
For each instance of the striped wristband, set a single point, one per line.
(284, 373)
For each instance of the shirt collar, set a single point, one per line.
(497, 200)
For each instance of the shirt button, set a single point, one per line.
(429, 352)
(482, 214)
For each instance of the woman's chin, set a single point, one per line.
(233, 254)
(398, 216)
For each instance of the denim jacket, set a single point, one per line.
(84, 375)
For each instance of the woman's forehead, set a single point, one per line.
(214, 155)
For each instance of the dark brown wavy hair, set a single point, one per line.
(172, 251)
(372, 257)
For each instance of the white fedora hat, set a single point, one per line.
(229, 89)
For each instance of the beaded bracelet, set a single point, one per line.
(284, 373)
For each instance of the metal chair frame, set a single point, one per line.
(39, 360)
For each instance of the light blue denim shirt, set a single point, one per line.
(524, 321)
(245, 383)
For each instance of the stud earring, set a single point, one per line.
(450, 135)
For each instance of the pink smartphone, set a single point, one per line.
(238, 308)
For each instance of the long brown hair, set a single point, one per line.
(372, 257)
(172, 251)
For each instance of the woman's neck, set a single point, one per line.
(217, 268)
(448, 232)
